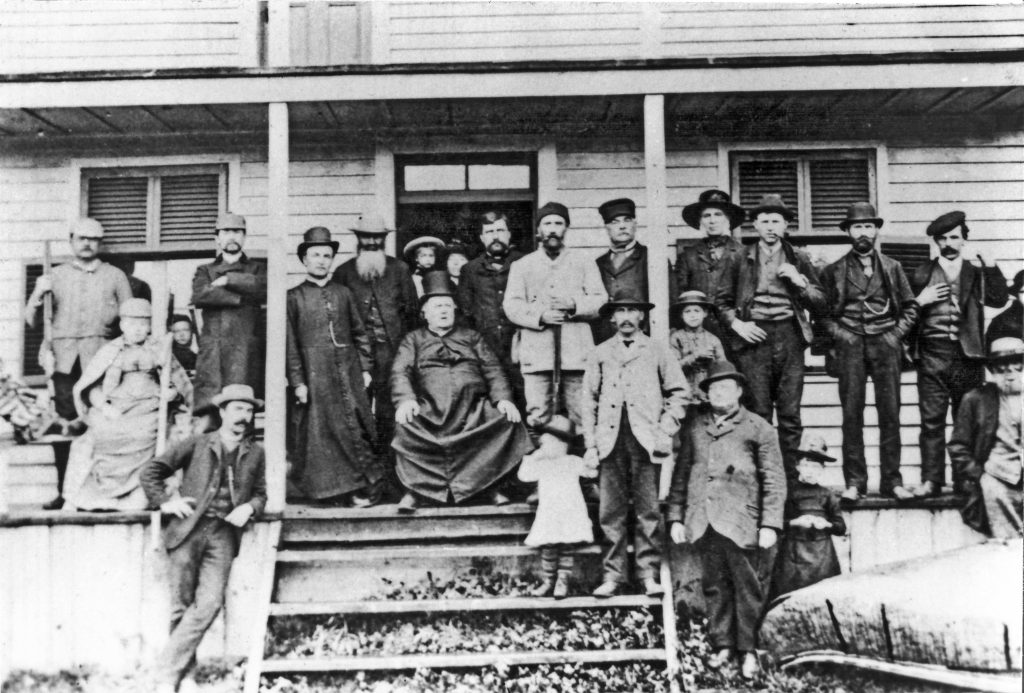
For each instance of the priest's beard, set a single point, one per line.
(370, 264)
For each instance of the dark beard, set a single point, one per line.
(863, 245)
(370, 264)
(497, 250)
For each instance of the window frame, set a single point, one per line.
(514, 158)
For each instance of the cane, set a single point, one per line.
(556, 372)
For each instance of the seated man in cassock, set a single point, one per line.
(458, 431)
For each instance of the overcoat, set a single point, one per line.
(480, 293)
(629, 279)
(231, 346)
(394, 294)
(533, 282)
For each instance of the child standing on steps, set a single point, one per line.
(561, 522)
(695, 348)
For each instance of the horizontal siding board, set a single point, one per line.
(812, 46)
(517, 24)
(975, 172)
(842, 31)
(711, 15)
(427, 10)
(956, 154)
(597, 40)
(957, 191)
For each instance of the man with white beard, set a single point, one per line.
(388, 305)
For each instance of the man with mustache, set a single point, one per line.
(764, 298)
(947, 344)
(553, 293)
(624, 267)
(871, 309)
(231, 292)
(481, 290)
(387, 303)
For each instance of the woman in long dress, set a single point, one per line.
(119, 397)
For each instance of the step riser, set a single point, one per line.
(400, 528)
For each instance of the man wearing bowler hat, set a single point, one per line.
(231, 292)
(763, 301)
(87, 294)
(948, 341)
(329, 366)
(634, 398)
(871, 309)
(624, 267)
(222, 489)
(727, 496)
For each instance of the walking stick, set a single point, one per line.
(556, 372)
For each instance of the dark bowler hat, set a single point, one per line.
(613, 208)
(717, 200)
(422, 242)
(437, 283)
(720, 370)
(318, 235)
(1017, 285)
(237, 393)
(625, 300)
(861, 212)
(692, 298)
(556, 208)
(947, 222)
(772, 204)
(560, 427)
(229, 220)
(1005, 350)
(814, 448)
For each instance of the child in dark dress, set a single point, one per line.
(806, 554)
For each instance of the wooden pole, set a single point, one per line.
(656, 223)
(48, 360)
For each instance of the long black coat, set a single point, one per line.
(394, 293)
(807, 556)
(480, 293)
(630, 279)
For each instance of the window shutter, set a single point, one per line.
(835, 185)
(32, 337)
(120, 205)
(188, 207)
(767, 177)
(909, 254)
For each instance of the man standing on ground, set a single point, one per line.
(948, 343)
(87, 295)
(624, 267)
(763, 299)
(223, 488)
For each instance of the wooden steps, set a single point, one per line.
(447, 606)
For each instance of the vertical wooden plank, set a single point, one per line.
(249, 34)
(62, 596)
(155, 604)
(260, 598)
(547, 173)
(380, 45)
(30, 605)
(384, 192)
(132, 594)
(656, 224)
(278, 33)
(6, 599)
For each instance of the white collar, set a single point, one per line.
(629, 248)
(951, 267)
(319, 282)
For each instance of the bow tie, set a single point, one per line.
(627, 342)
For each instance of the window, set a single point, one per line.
(817, 184)
(162, 208)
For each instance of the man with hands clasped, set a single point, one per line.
(727, 496)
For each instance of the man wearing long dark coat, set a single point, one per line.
(459, 432)
(231, 292)
(329, 367)
(624, 267)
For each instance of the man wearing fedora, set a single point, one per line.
(985, 448)
(223, 487)
(458, 433)
(871, 309)
(948, 342)
(624, 267)
(231, 292)
(329, 366)
(421, 255)
(700, 264)
(727, 496)
(764, 298)
(634, 398)
(87, 294)
(552, 295)
(387, 303)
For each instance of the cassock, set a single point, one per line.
(459, 444)
(328, 350)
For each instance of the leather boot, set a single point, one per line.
(548, 570)
(566, 563)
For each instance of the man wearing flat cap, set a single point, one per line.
(948, 341)
(765, 299)
(87, 294)
(552, 295)
(624, 267)
(222, 489)
(231, 292)
(329, 366)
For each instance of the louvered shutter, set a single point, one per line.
(835, 184)
(120, 205)
(768, 177)
(908, 254)
(188, 207)
(32, 337)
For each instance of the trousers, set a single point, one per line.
(539, 390)
(735, 586)
(1004, 505)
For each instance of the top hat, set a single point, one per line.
(692, 298)
(1005, 350)
(815, 449)
(556, 208)
(423, 241)
(861, 212)
(318, 235)
(370, 225)
(87, 228)
(945, 223)
(135, 308)
(715, 199)
(560, 427)
(613, 208)
(720, 370)
(437, 283)
(228, 220)
(1017, 285)
(236, 393)
(772, 204)
(625, 300)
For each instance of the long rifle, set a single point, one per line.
(47, 359)
(556, 372)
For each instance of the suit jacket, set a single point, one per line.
(479, 294)
(630, 279)
(200, 458)
(695, 270)
(532, 283)
(903, 305)
(730, 478)
(972, 313)
(647, 380)
(974, 436)
(394, 293)
(735, 296)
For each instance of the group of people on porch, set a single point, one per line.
(435, 383)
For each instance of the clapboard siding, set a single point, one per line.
(61, 35)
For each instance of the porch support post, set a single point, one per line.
(277, 277)
(278, 33)
(656, 222)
